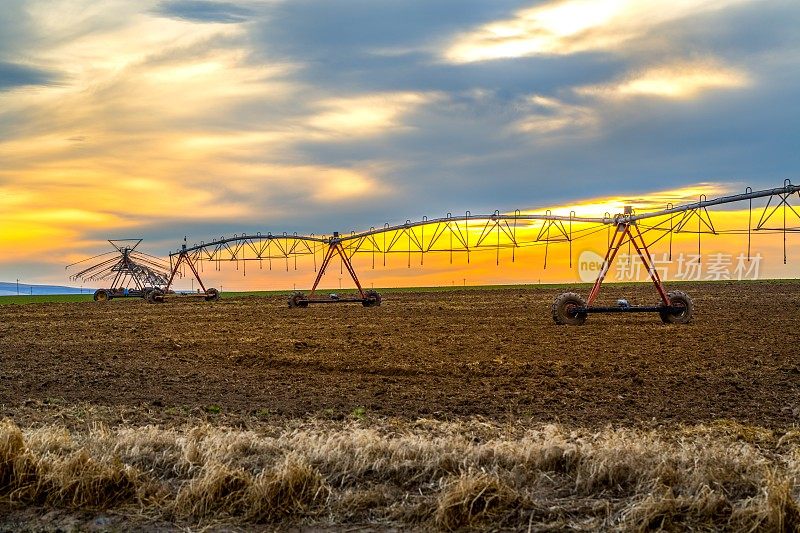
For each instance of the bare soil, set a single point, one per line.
(489, 353)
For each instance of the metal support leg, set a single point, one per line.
(623, 230)
(334, 249)
(184, 257)
(644, 255)
(174, 271)
(349, 265)
(322, 268)
(638, 242)
(194, 271)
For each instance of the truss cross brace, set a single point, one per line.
(335, 248)
(631, 232)
(183, 257)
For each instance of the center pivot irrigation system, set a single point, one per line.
(470, 233)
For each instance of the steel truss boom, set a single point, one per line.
(399, 227)
(787, 189)
(498, 231)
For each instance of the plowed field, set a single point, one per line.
(493, 353)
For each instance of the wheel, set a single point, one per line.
(372, 299)
(683, 315)
(565, 309)
(146, 293)
(155, 296)
(298, 299)
(212, 295)
(101, 295)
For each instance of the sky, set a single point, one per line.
(164, 119)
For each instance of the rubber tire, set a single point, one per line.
(146, 294)
(678, 298)
(373, 299)
(560, 309)
(155, 296)
(101, 295)
(212, 295)
(298, 299)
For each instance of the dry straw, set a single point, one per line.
(431, 475)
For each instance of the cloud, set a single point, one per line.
(680, 80)
(546, 117)
(336, 185)
(16, 75)
(653, 201)
(365, 115)
(204, 11)
(348, 30)
(16, 27)
(559, 27)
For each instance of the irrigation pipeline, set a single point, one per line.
(556, 223)
(465, 233)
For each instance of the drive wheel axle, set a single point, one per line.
(371, 299)
(567, 309)
(298, 299)
(682, 309)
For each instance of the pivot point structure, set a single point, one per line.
(133, 274)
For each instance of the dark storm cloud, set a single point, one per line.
(15, 75)
(746, 30)
(355, 46)
(204, 11)
(323, 29)
(463, 150)
(417, 71)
